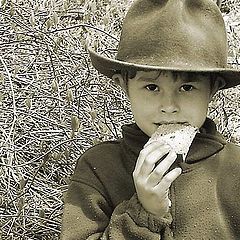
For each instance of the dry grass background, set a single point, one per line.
(54, 105)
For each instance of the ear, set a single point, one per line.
(118, 78)
(219, 3)
(218, 84)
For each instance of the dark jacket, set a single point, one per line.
(102, 203)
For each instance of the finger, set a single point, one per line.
(150, 141)
(166, 198)
(168, 179)
(151, 159)
(157, 174)
(144, 152)
(169, 201)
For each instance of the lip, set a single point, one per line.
(170, 122)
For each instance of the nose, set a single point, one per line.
(169, 104)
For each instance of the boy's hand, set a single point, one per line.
(152, 184)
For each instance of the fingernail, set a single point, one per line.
(172, 152)
(179, 170)
(167, 147)
(148, 143)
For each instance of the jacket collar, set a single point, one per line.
(205, 144)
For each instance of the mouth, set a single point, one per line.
(171, 122)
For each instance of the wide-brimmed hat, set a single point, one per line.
(175, 35)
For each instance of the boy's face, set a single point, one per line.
(166, 97)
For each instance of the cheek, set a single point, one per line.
(197, 109)
(143, 111)
(140, 107)
(201, 98)
(139, 104)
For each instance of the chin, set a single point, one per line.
(150, 130)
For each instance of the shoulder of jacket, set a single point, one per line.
(232, 147)
(231, 152)
(104, 148)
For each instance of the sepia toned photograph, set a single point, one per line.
(119, 119)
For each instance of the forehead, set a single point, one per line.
(174, 75)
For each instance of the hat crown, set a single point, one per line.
(174, 33)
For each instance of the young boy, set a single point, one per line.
(172, 58)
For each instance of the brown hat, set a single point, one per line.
(175, 35)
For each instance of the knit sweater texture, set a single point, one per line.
(102, 203)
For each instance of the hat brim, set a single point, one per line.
(109, 67)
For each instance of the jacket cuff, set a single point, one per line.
(145, 219)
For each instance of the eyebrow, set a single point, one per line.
(147, 79)
(194, 77)
(189, 77)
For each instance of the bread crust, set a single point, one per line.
(178, 136)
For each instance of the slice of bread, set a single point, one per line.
(178, 136)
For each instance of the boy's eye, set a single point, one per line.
(186, 88)
(152, 87)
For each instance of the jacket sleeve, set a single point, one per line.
(89, 215)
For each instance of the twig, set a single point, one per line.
(83, 25)
(13, 101)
